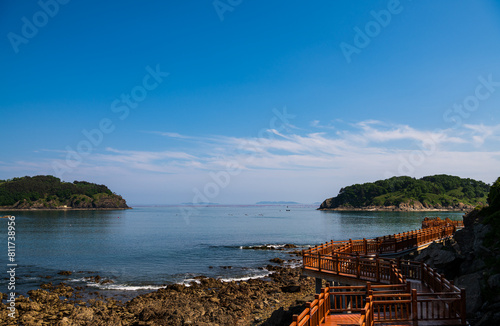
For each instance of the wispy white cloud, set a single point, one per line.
(172, 135)
(481, 133)
(317, 124)
(368, 150)
(366, 141)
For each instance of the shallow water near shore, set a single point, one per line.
(143, 249)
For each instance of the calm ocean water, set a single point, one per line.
(146, 247)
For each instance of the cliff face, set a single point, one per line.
(472, 259)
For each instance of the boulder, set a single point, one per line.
(472, 284)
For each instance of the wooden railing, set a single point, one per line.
(316, 311)
(389, 244)
(383, 303)
(433, 222)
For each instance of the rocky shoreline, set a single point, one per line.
(464, 208)
(470, 263)
(205, 302)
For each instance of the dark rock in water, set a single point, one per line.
(65, 273)
(270, 247)
(47, 286)
(107, 282)
(277, 260)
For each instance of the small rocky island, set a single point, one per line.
(432, 193)
(49, 192)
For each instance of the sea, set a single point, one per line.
(145, 248)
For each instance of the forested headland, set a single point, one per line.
(49, 192)
(437, 192)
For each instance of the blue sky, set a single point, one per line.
(236, 101)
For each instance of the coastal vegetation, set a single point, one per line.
(49, 192)
(406, 193)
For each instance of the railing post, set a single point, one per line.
(414, 307)
(295, 319)
(372, 320)
(309, 306)
(319, 262)
(319, 311)
(337, 263)
(358, 267)
(363, 313)
(377, 268)
(365, 246)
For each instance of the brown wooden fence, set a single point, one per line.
(433, 222)
(383, 304)
(389, 244)
(393, 302)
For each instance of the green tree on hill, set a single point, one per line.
(437, 190)
(49, 189)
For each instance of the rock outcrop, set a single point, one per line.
(208, 302)
(407, 206)
(471, 259)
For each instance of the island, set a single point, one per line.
(48, 192)
(431, 193)
(277, 203)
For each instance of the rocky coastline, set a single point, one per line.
(464, 208)
(471, 263)
(204, 302)
(413, 206)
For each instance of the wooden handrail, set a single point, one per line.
(428, 223)
(380, 303)
(316, 311)
(388, 244)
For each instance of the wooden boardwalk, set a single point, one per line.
(394, 291)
